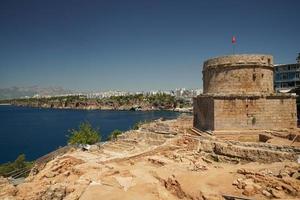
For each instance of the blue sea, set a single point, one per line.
(36, 131)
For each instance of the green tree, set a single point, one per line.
(85, 134)
(20, 162)
(113, 135)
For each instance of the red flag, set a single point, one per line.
(233, 40)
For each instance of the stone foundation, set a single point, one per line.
(241, 112)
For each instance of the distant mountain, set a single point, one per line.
(19, 92)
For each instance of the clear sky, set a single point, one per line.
(136, 45)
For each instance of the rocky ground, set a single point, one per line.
(166, 160)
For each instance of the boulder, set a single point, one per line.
(266, 193)
(296, 175)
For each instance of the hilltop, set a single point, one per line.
(21, 92)
(126, 102)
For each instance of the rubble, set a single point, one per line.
(7, 189)
(247, 152)
(55, 192)
(277, 185)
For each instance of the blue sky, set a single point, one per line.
(136, 45)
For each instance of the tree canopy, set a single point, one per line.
(85, 134)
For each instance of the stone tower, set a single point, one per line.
(238, 94)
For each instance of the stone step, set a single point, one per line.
(113, 148)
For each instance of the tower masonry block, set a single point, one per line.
(238, 94)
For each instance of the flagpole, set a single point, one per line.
(233, 41)
(233, 47)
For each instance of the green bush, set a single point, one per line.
(85, 134)
(113, 135)
(19, 163)
(137, 125)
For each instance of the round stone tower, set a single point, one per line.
(238, 74)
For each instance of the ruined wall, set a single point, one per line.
(238, 74)
(203, 113)
(255, 113)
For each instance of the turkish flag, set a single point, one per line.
(233, 40)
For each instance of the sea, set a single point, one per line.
(38, 131)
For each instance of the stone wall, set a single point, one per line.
(238, 80)
(262, 113)
(238, 74)
(203, 113)
(245, 113)
(238, 94)
(239, 60)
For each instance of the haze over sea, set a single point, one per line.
(35, 131)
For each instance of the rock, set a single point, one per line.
(156, 161)
(67, 173)
(125, 182)
(288, 187)
(296, 175)
(266, 172)
(235, 182)
(34, 171)
(266, 193)
(173, 186)
(50, 175)
(54, 192)
(94, 148)
(239, 183)
(239, 180)
(3, 180)
(240, 186)
(257, 187)
(8, 190)
(83, 181)
(212, 197)
(278, 194)
(246, 182)
(283, 173)
(278, 188)
(70, 190)
(249, 190)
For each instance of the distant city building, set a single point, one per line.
(178, 93)
(287, 76)
(106, 94)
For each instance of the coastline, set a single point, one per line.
(138, 102)
(180, 110)
(159, 158)
(55, 129)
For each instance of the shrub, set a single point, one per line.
(20, 162)
(7, 169)
(85, 134)
(113, 135)
(137, 125)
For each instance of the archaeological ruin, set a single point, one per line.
(238, 94)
